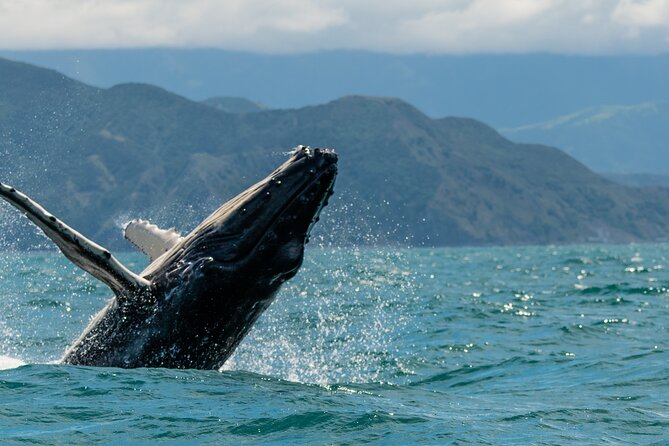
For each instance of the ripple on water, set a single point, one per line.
(435, 346)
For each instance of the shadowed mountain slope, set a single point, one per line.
(97, 157)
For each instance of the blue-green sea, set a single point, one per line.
(514, 345)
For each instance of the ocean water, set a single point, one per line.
(521, 345)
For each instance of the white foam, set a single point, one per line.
(7, 362)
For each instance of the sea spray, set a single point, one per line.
(338, 323)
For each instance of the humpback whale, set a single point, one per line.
(201, 293)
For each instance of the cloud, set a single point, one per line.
(648, 13)
(238, 24)
(399, 26)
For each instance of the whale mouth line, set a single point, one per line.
(321, 203)
(244, 242)
(266, 229)
(296, 196)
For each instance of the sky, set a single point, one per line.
(589, 27)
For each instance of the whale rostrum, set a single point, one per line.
(200, 293)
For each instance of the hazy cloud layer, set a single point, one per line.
(432, 26)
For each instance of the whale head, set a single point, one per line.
(262, 230)
(229, 268)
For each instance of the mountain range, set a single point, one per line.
(97, 157)
(613, 139)
(503, 90)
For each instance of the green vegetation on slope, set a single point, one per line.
(234, 105)
(618, 139)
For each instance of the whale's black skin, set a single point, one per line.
(193, 305)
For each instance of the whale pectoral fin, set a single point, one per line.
(150, 239)
(83, 252)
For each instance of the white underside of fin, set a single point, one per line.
(150, 239)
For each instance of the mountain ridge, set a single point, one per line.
(95, 157)
(539, 86)
(622, 139)
(232, 104)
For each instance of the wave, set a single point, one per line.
(470, 374)
(623, 288)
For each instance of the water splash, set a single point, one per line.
(338, 322)
(7, 362)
